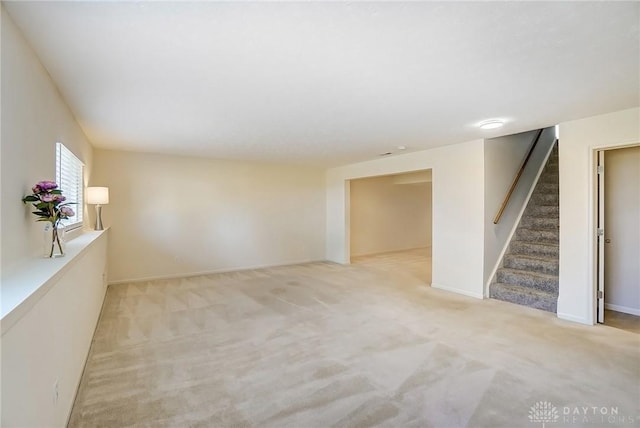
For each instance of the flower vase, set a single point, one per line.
(54, 240)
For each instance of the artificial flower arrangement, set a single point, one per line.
(50, 206)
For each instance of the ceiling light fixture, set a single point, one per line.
(491, 124)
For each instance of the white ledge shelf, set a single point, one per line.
(28, 282)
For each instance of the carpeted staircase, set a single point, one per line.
(529, 272)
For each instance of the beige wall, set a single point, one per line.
(579, 141)
(386, 216)
(502, 159)
(172, 215)
(622, 230)
(50, 341)
(34, 117)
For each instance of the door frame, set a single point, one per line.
(600, 231)
(598, 271)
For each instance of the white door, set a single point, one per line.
(600, 236)
(622, 230)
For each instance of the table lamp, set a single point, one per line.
(98, 196)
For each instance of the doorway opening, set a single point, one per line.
(618, 237)
(390, 224)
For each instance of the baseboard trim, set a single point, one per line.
(623, 309)
(377, 253)
(458, 291)
(573, 318)
(214, 271)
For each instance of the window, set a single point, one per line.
(70, 178)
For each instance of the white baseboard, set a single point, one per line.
(377, 253)
(573, 318)
(623, 309)
(458, 291)
(210, 272)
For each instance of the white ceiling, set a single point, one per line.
(329, 83)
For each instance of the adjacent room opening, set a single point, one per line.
(618, 237)
(391, 223)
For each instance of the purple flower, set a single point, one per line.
(49, 197)
(67, 211)
(44, 186)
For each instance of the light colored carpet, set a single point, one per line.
(623, 321)
(415, 263)
(323, 345)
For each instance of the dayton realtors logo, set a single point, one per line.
(597, 415)
(545, 412)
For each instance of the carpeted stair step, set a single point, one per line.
(534, 249)
(545, 236)
(544, 199)
(534, 222)
(550, 187)
(546, 265)
(539, 281)
(524, 296)
(549, 175)
(549, 178)
(542, 210)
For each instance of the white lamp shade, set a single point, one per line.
(97, 195)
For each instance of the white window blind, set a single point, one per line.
(70, 179)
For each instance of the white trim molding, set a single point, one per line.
(623, 309)
(458, 291)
